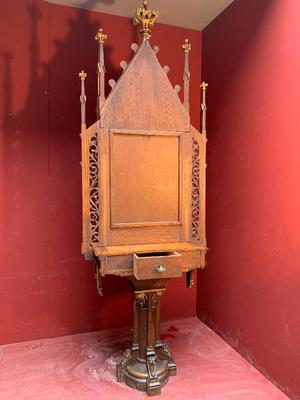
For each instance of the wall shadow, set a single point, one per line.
(42, 177)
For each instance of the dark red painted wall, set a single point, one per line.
(46, 288)
(250, 290)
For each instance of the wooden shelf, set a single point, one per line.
(146, 248)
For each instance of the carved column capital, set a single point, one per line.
(155, 297)
(141, 299)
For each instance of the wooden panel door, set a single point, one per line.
(146, 186)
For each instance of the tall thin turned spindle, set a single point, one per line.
(203, 107)
(100, 38)
(82, 75)
(187, 47)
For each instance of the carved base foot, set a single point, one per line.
(150, 374)
(164, 352)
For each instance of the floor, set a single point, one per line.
(82, 367)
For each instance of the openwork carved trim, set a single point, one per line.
(94, 191)
(195, 189)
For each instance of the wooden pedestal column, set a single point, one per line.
(147, 365)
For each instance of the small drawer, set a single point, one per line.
(157, 265)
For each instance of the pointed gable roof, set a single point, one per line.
(144, 98)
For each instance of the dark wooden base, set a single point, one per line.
(149, 374)
(147, 365)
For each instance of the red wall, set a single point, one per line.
(250, 291)
(46, 288)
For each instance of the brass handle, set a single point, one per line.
(160, 268)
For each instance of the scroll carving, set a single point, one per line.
(155, 297)
(195, 189)
(151, 366)
(94, 191)
(167, 350)
(141, 300)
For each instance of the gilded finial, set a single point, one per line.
(204, 85)
(146, 18)
(187, 47)
(82, 75)
(100, 36)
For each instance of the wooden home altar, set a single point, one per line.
(143, 189)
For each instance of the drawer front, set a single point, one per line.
(157, 265)
(117, 265)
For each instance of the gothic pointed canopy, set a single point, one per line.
(144, 98)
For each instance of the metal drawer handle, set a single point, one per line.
(160, 268)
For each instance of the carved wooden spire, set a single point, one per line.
(203, 106)
(187, 47)
(100, 38)
(82, 75)
(146, 18)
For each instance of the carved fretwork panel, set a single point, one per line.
(94, 188)
(195, 189)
